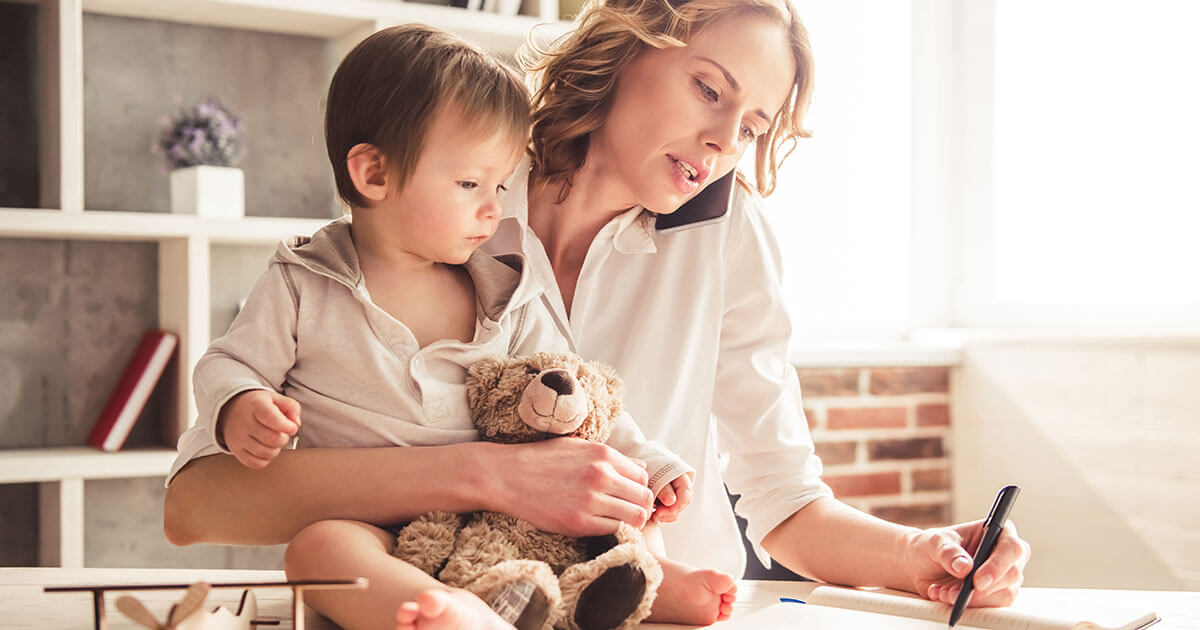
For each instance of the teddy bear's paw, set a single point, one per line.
(626, 533)
(610, 600)
(616, 590)
(524, 593)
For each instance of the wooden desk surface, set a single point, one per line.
(23, 604)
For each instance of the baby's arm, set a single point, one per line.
(673, 498)
(238, 379)
(255, 425)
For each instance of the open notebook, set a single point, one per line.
(844, 608)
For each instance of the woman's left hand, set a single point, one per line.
(937, 560)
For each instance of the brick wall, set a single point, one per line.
(883, 434)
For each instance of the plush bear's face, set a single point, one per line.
(541, 396)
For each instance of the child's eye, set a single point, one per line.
(501, 188)
(708, 93)
(468, 185)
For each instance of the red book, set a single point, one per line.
(129, 398)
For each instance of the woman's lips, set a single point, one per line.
(682, 182)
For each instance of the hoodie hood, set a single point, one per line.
(502, 283)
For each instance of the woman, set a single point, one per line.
(628, 119)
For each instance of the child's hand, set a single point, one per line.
(257, 424)
(673, 498)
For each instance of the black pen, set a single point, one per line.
(991, 533)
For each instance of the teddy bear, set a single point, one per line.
(538, 580)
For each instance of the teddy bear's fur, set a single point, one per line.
(536, 579)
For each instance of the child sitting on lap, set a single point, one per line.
(369, 325)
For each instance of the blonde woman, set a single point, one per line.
(646, 105)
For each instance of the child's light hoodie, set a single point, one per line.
(310, 331)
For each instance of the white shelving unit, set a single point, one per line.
(184, 242)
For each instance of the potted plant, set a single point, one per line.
(202, 146)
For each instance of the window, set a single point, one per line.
(1095, 211)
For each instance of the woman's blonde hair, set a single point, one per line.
(573, 81)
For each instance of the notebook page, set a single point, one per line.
(892, 604)
(789, 616)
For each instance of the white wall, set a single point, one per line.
(1103, 436)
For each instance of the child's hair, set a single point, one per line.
(574, 82)
(387, 91)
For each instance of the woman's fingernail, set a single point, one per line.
(983, 581)
(961, 563)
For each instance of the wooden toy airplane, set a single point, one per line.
(189, 613)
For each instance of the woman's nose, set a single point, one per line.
(722, 137)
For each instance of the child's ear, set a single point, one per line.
(368, 170)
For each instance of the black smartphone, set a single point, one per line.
(710, 203)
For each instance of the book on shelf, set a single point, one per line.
(129, 397)
(837, 607)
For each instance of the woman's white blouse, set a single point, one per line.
(693, 320)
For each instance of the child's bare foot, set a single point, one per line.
(437, 609)
(693, 596)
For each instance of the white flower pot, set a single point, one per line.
(214, 192)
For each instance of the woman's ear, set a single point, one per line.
(368, 170)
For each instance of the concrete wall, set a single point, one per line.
(1103, 436)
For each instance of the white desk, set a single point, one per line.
(23, 604)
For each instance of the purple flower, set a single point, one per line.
(205, 133)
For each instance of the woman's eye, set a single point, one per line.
(708, 93)
(468, 185)
(747, 133)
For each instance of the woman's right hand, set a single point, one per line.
(566, 485)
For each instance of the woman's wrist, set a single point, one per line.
(476, 482)
(907, 548)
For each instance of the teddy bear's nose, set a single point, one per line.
(559, 382)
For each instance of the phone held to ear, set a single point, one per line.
(710, 203)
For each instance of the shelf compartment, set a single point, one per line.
(274, 81)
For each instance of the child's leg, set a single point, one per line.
(399, 594)
(688, 595)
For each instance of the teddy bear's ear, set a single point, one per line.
(608, 374)
(485, 373)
